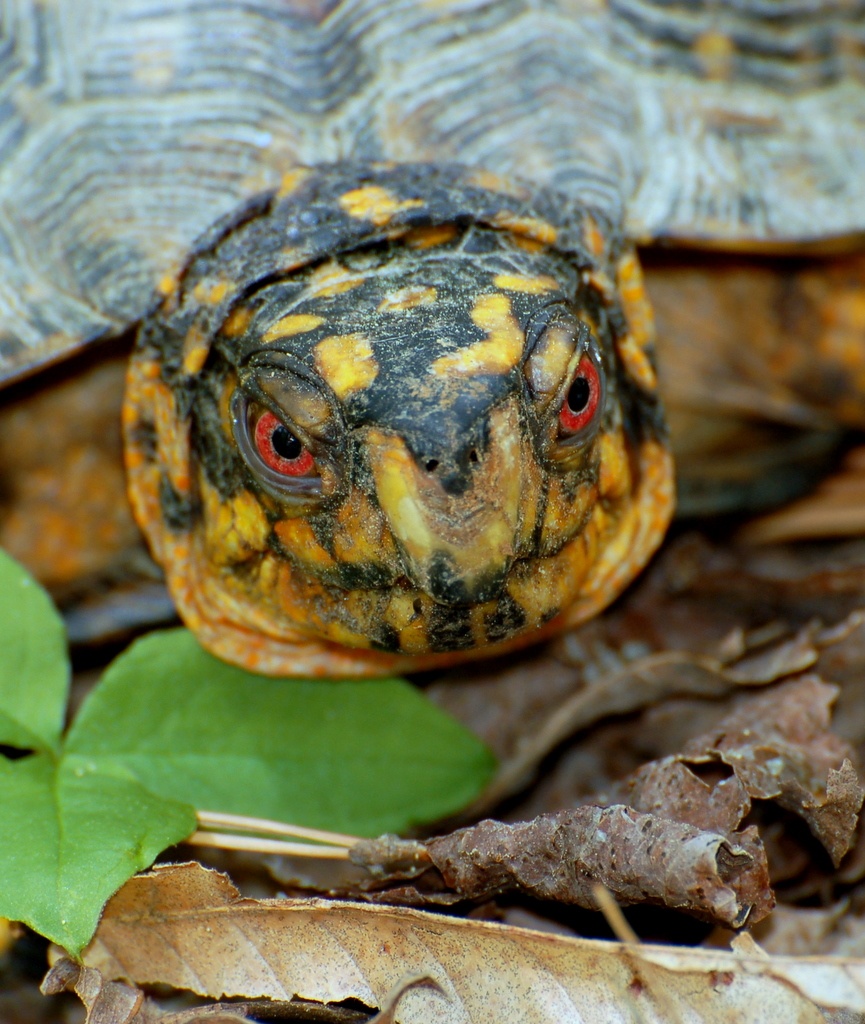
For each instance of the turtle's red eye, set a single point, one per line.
(280, 449)
(582, 400)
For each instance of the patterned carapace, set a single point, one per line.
(393, 416)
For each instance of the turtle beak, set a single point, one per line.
(457, 530)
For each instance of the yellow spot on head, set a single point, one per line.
(375, 204)
(293, 323)
(532, 227)
(614, 479)
(332, 279)
(346, 362)
(528, 244)
(548, 363)
(593, 238)
(209, 293)
(426, 238)
(195, 350)
(502, 348)
(408, 298)
(531, 285)
(637, 363)
(360, 533)
(298, 536)
(237, 322)
(167, 285)
(236, 528)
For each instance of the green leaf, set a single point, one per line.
(34, 669)
(357, 756)
(70, 835)
(170, 728)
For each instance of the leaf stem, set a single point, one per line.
(226, 841)
(240, 823)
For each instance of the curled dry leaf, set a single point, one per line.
(188, 928)
(668, 787)
(780, 747)
(678, 844)
(775, 661)
(627, 688)
(106, 1001)
(562, 857)
(640, 858)
(778, 743)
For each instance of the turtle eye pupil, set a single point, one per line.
(285, 444)
(579, 394)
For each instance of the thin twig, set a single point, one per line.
(611, 910)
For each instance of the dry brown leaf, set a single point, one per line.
(779, 745)
(624, 663)
(640, 858)
(698, 587)
(833, 931)
(116, 1002)
(564, 856)
(804, 931)
(775, 661)
(188, 928)
(106, 1001)
(629, 688)
(836, 508)
(669, 787)
(587, 770)
(703, 622)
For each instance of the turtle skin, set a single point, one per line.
(416, 423)
(393, 402)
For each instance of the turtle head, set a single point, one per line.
(437, 438)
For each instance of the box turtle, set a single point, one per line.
(392, 402)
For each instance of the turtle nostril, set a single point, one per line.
(473, 456)
(432, 465)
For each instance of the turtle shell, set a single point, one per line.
(128, 128)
